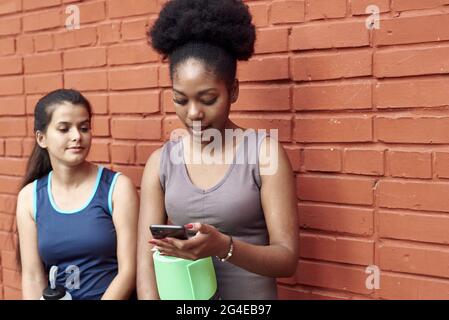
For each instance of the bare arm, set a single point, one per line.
(125, 210)
(152, 211)
(34, 279)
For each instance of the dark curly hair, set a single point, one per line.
(216, 32)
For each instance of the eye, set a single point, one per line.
(209, 102)
(63, 129)
(181, 102)
(85, 128)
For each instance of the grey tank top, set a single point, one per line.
(233, 206)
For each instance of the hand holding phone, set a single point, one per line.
(160, 231)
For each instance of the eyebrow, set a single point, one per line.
(202, 92)
(66, 122)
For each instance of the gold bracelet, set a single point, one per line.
(229, 254)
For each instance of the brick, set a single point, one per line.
(31, 102)
(85, 58)
(340, 96)
(133, 172)
(75, 38)
(123, 152)
(323, 9)
(336, 249)
(334, 129)
(410, 164)
(118, 8)
(329, 35)
(366, 162)
(290, 11)
(407, 30)
(358, 7)
(411, 93)
(271, 40)
(259, 12)
(414, 226)
(403, 287)
(260, 98)
(428, 130)
(135, 29)
(42, 20)
(6, 224)
(32, 4)
(9, 260)
(426, 196)
(9, 26)
(144, 151)
(164, 76)
(87, 80)
(43, 83)
(92, 12)
(43, 42)
(339, 219)
(8, 203)
(327, 275)
(99, 102)
(171, 124)
(12, 279)
(10, 66)
(262, 69)
(410, 62)
(11, 85)
(108, 33)
(12, 127)
(134, 102)
(298, 293)
(7, 46)
(6, 241)
(294, 156)
(411, 258)
(136, 128)
(282, 123)
(133, 78)
(11, 166)
(25, 44)
(327, 160)
(99, 152)
(12, 294)
(27, 146)
(402, 5)
(12, 106)
(2, 147)
(167, 102)
(442, 164)
(131, 54)
(10, 6)
(13, 148)
(100, 126)
(46, 62)
(323, 188)
(307, 67)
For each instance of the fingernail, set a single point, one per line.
(154, 249)
(189, 226)
(165, 240)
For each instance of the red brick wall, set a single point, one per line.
(362, 114)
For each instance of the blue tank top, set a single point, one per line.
(82, 243)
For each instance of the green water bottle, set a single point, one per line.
(182, 279)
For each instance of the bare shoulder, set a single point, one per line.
(272, 157)
(25, 200)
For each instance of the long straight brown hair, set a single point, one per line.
(39, 164)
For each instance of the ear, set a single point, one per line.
(235, 90)
(41, 139)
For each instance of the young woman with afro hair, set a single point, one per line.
(245, 220)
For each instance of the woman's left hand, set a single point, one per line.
(207, 242)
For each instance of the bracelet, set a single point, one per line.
(229, 254)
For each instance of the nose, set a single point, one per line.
(75, 134)
(194, 112)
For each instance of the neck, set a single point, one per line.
(72, 177)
